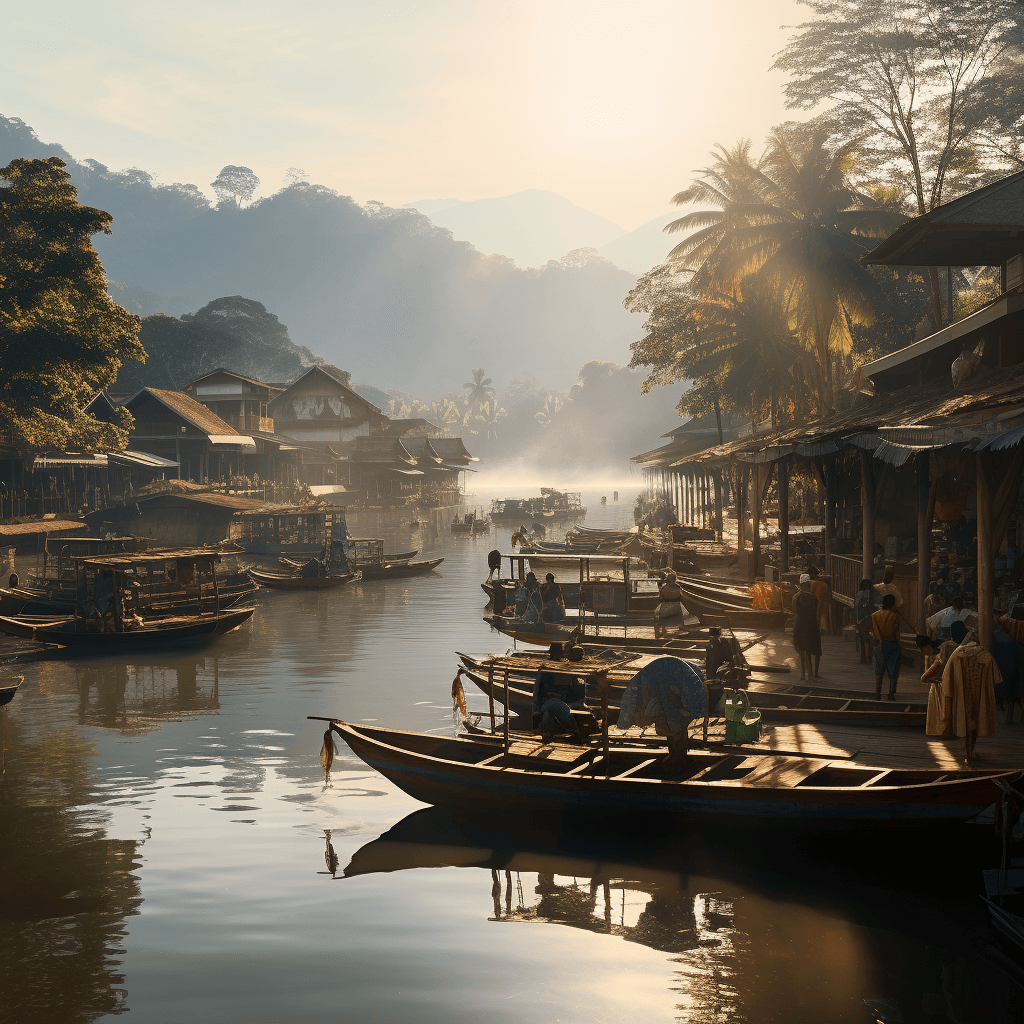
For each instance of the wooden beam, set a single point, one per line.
(924, 539)
(867, 512)
(783, 470)
(986, 573)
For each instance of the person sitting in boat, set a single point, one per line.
(670, 606)
(534, 611)
(889, 654)
(718, 653)
(554, 603)
(553, 694)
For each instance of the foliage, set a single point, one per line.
(479, 388)
(235, 183)
(62, 337)
(758, 304)
(929, 90)
(234, 332)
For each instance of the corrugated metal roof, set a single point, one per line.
(64, 459)
(143, 459)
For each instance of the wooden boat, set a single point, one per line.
(399, 570)
(470, 523)
(712, 611)
(1004, 894)
(765, 791)
(73, 631)
(852, 708)
(8, 688)
(292, 581)
(551, 504)
(684, 639)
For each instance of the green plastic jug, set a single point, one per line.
(742, 722)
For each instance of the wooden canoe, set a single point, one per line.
(712, 611)
(860, 709)
(8, 688)
(761, 790)
(398, 570)
(289, 581)
(163, 632)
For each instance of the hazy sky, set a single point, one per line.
(611, 104)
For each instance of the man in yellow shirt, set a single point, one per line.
(885, 623)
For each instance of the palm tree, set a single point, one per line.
(479, 388)
(793, 219)
(747, 343)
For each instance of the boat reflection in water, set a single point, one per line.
(794, 933)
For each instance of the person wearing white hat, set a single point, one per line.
(806, 630)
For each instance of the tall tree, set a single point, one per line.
(922, 85)
(62, 337)
(479, 389)
(235, 183)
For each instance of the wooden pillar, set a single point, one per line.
(741, 488)
(716, 479)
(783, 470)
(986, 568)
(755, 516)
(827, 476)
(867, 515)
(924, 539)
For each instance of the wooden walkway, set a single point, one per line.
(876, 745)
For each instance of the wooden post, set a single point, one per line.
(216, 588)
(783, 471)
(827, 477)
(508, 710)
(986, 573)
(741, 513)
(490, 694)
(605, 745)
(867, 515)
(924, 539)
(717, 480)
(755, 519)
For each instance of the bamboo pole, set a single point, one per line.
(924, 539)
(490, 695)
(508, 711)
(986, 581)
(867, 514)
(783, 465)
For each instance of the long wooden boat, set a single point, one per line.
(712, 611)
(20, 601)
(8, 688)
(290, 581)
(399, 570)
(783, 707)
(765, 791)
(170, 631)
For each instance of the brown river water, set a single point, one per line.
(169, 847)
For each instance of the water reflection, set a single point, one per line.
(137, 698)
(66, 888)
(753, 934)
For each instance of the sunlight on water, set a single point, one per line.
(170, 847)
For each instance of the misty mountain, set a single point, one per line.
(384, 293)
(532, 226)
(644, 247)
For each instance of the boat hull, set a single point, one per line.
(161, 633)
(282, 581)
(399, 570)
(444, 782)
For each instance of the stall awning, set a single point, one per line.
(238, 440)
(140, 460)
(45, 461)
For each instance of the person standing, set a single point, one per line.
(670, 606)
(888, 654)
(806, 631)
(866, 605)
(887, 586)
(823, 592)
(554, 603)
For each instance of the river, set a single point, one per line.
(169, 847)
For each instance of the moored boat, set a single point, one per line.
(761, 790)
(9, 686)
(295, 581)
(399, 570)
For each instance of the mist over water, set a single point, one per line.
(166, 852)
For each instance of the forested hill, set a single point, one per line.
(382, 292)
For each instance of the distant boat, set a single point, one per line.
(398, 570)
(293, 581)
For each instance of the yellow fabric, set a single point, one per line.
(886, 624)
(965, 700)
(1013, 628)
(820, 589)
(765, 595)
